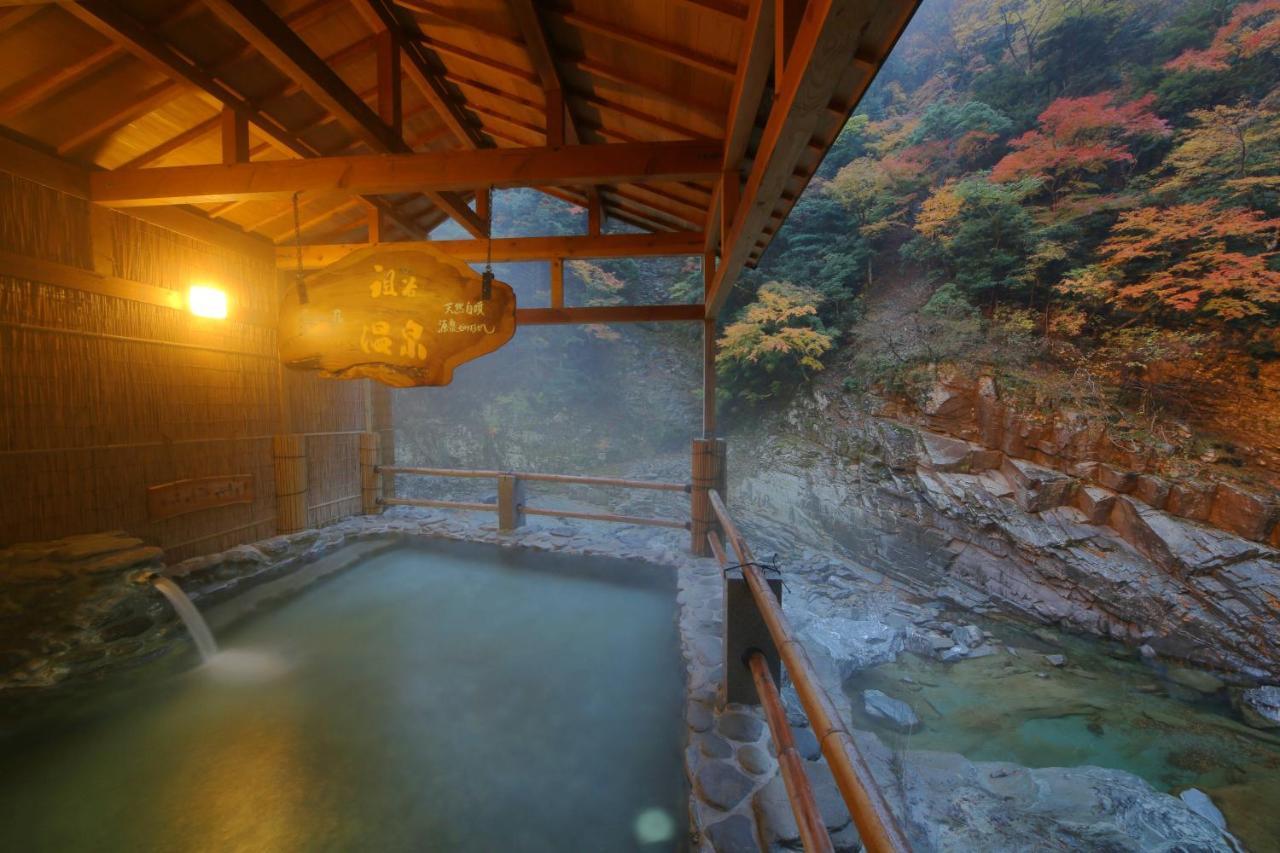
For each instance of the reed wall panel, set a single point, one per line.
(104, 396)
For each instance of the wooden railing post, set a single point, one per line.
(370, 477)
(510, 502)
(708, 473)
(289, 455)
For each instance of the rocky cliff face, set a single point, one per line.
(980, 505)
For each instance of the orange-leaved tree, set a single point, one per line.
(1186, 258)
(1252, 29)
(1078, 138)
(778, 339)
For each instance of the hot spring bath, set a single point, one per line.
(443, 697)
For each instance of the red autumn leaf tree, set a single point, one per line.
(1077, 138)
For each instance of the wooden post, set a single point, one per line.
(235, 137)
(708, 378)
(370, 478)
(510, 502)
(705, 476)
(290, 458)
(557, 282)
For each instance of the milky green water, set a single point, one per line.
(1105, 708)
(455, 698)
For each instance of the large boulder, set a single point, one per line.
(894, 713)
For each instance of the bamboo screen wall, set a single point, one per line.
(104, 396)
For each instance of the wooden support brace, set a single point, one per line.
(370, 477)
(557, 282)
(289, 456)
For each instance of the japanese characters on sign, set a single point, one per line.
(401, 316)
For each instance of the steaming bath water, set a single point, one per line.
(456, 698)
(190, 616)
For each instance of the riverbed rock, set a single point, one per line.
(1260, 707)
(1202, 682)
(967, 635)
(897, 714)
(734, 834)
(1056, 660)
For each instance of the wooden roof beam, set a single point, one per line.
(511, 249)
(44, 83)
(561, 126)
(573, 165)
(828, 36)
(749, 85)
(258, 25)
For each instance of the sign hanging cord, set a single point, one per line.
(486, 278)
(300, 276)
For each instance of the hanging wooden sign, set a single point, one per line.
(404, 317)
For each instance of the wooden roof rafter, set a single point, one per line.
(562, 127)
(257, 24)
(107, 18)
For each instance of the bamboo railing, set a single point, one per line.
(876, 824)
(511, 507)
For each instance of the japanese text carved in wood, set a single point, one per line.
(404, 317)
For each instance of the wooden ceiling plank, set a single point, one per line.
(516, 249)
(728, 8)
(677, 52)
(45, 83)
(572, 165)
(191, 134)
(17, 15)
(146, 101)
(828, 36)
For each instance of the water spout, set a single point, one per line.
(196, 626)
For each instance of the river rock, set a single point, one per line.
(1260, 707)
(754, 760)
(722, 785)
(1056, 660)
(734, 834)
(894, 712)
(967, 635)
(1198, 801)
(806, 743)
(740, 727)
(955, 653)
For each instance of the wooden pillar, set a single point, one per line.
(708, 473)
(235, 137)
(370, 478)
(289, 453)
(557, 282)
(483, 210)
(510, 502)
(708, 378)
(555, 118)
(595, 215)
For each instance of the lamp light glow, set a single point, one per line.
(206, 301)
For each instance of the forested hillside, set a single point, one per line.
(1078, 197)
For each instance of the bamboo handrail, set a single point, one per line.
(876, 824)
(813, 832)
(601, 516)
(438, 504)
(541, 478)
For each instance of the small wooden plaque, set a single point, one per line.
(403, 316)
(185, 496)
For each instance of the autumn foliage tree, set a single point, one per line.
(1252, 30)
(776, 341)
(1078, 139)
(1192, 259)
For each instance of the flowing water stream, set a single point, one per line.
(190, 616)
